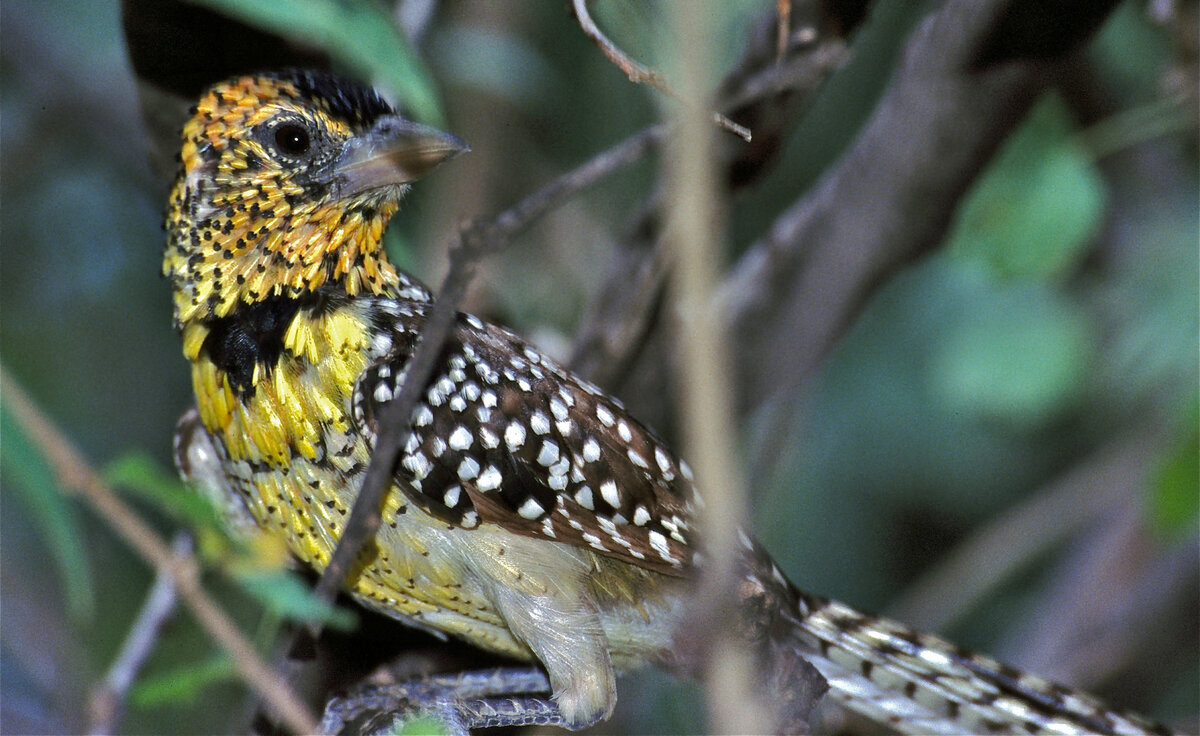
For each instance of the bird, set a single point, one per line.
(531, 515)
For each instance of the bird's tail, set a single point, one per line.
(919, 683)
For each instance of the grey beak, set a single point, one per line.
(394, 151)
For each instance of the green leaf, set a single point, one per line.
(256, 569)
(51, 512)
(136, 472)
(1023, 356)
(182, 685)
(358, 32)
(1175, 485)
(286, 596)
(1039, 203)
(419, 725)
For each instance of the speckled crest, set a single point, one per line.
(230, 110)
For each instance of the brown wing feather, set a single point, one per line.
(503, 435)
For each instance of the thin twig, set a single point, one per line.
(622, 314)
(694, 227)
(107, 701)
(639, 74)
(75, 474)
(783, 9)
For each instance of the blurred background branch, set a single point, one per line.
(107, 702)
(74, 475)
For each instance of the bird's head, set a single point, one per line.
(286, 183)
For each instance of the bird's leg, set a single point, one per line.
(510, 696)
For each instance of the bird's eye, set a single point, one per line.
(292, 139)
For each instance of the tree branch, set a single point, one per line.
(107, 700)
(637, 73)
(75, 474)
(764, 93)
(889, 201)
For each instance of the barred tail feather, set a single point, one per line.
(921, 684)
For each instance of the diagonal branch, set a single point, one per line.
(892, 196)
(107, 700)
(76, 475)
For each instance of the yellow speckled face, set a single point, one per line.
(256, 211)
(232, 112)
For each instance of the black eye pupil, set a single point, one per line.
(292, 139)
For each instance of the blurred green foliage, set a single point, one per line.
(1040, 203)
(970, 381)
(1175, 505)
(185, 684)
(419, 726)
(359, 34)
(50, 512)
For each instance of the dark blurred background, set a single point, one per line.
(1003, 446)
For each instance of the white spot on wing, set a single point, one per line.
(608, 491)
(460, 438)
(417, 464)
(583, 497)
(490, 479)
(514, 435)
(641, 516)
(659, 543)
(383, 392)
(549, 453)
(531, 509)
(437, 446)
(593, 540)
(558, 408)
(422, 416)
(663, 459)
(468, 469)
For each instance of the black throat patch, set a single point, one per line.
(253, 336)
